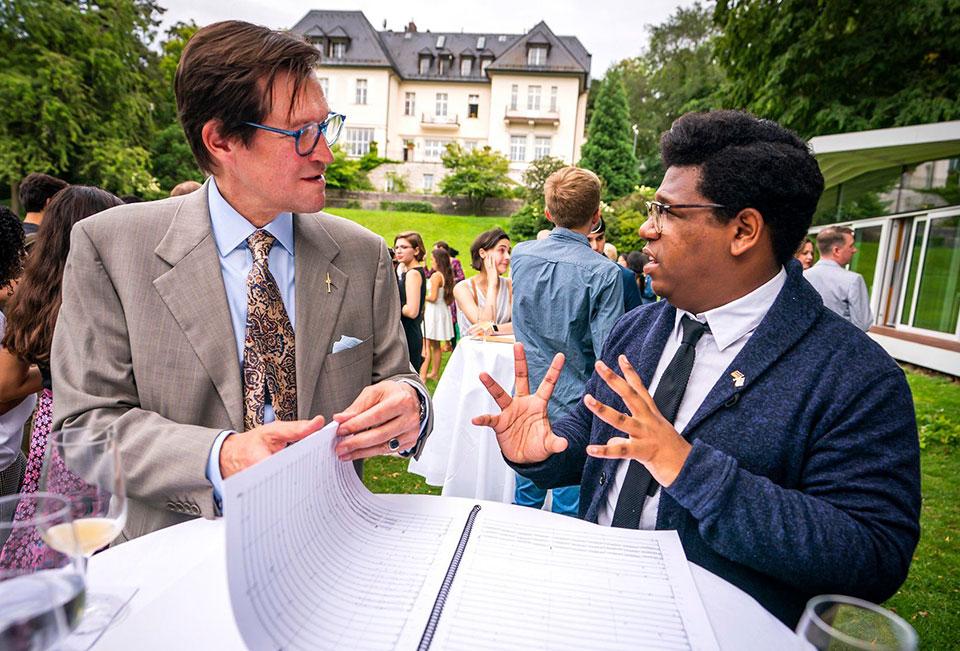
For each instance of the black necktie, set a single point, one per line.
(638, 483)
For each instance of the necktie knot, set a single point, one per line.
(260, 242)
(692, 330)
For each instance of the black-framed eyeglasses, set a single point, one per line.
(656, 210)
(306, 138)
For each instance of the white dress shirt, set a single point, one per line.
(731, 326)
(843, 291)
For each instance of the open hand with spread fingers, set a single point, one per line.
(651, 439)
(522, 427)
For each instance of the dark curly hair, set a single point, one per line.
(747, 162)
(11, 247)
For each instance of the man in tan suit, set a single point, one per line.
(211, 330)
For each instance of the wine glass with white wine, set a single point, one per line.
(84, 465)
(42, 587)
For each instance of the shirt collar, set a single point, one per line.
(230, 228)
(559, 232)
(828, 262)
(728, 323)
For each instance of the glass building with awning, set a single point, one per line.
(899, 189)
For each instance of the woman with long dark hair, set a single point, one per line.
(484, 301)
(437, 322)
(31, 320)
(410, 252)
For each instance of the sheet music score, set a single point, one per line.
(315, 561)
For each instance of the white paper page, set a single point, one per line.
(536, 580)
(315, 561)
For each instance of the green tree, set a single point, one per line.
(75, 91)
(833, 66)
(476, 175)
(608, 150)
(530, 220)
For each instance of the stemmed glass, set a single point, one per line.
(84, 466)
(42, 588)
(839, 623)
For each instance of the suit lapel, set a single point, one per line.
(193, 292)
(791, 316)
(318, 305)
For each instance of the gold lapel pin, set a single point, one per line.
(738, 378)
(328, 281)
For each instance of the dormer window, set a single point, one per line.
(481, 42)
(338, 49)
(424, 67)
(537, 55)
(442, 66)
(466, 67)
(441, 40)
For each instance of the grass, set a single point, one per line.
(458, 232)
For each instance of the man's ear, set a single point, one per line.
(595, 219)
(546, 213)
(748, 229)
(219, 146)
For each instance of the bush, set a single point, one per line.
(352, 203)
(407, 206)
(527, 222)
(625, 217)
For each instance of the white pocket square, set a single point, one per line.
(345, 343)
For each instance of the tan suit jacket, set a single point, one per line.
(144, 342)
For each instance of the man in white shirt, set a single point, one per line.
(843, 291)
(736, 410)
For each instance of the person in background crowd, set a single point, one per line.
(484, 301)
(458, 275)
(622, 260)
(36, 191)
(409, 250)
(598, 242)
(15, 412)
(237, 319)
(805, 254)
(437, 322)
(565, 300)
(184, 188)
(636, 260)
(610, 251)
(543, 234)
(777, 440)
(32, 316)
(131, 198)
(842, 290)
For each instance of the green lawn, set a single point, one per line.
(458, 232)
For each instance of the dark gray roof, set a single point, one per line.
(364, 47)
(402, 50)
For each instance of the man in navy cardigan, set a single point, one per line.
(792, 466)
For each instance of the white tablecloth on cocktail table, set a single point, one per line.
(183, 602)
(460, 456)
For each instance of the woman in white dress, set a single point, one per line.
(437, 321)
(484, 301)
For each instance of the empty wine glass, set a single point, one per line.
(84, 465)
(42, 588)
(839, 623)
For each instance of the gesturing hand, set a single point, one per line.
(652, 441)
(523, 430)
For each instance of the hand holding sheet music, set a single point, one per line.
(315, 561)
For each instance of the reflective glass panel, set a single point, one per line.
(864, 262)
(919, 229)
(938, 299)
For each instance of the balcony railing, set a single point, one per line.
(447, 122)
(531, 117)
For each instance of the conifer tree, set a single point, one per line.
(608, 151)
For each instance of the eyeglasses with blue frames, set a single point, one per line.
(306, 138)
(656, 210)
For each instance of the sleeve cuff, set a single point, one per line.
(424, 417)
(700, 486)
(213, 468)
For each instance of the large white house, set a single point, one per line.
(414, 92)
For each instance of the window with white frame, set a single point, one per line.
(466, 66)
(484, 63)
(338, 49)
(325, 86)
(502, 38)
(442, 65)
(433, 149)
(361, 91)
(357, 140)
(518, 149)
(514, 93)
(481, 42)
(469, 145)
(473, 106)
(410, 104)
(424, 65)
(541, 147)
(533, 98)
(428, 182)
(553, 99)
(441, 40)
(441, 105)
(537, 55)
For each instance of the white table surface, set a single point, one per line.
(461, 457)
(183, 602)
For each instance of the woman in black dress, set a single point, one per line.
(410, 252)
